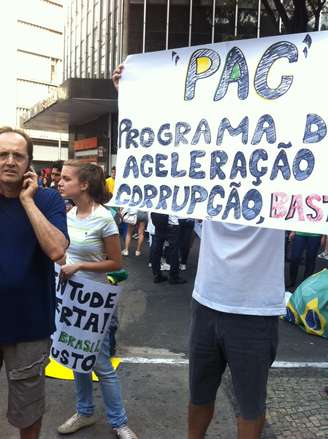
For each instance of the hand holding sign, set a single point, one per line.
(68, 270)
(83, 313)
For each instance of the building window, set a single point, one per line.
(135, 33)
(224, 20)
(179, 24)
(202, 12)
(155, 25)
(247, 19)
(269, 23)
(53, 71)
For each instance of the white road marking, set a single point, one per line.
(300, 364)
(183, 362)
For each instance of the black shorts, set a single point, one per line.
(247, 343)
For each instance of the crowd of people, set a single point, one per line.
(237, 298)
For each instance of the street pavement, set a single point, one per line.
(153, 345)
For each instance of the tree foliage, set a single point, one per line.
(296, 14)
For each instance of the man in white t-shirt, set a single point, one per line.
(237, 298)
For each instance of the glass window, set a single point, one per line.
(96, 52)
(103, 35)
(135, 27)
(89, 66)
(103, 67)
(269, 24)
(155, 25)
(179, 23)
(202, 12)
(104, 5)
(82, 50)
(247, 19)
(89, 45)
(224, 21)
(89, 20)
(324, 21)
(96, 14)
(76, 62)
(83, 72)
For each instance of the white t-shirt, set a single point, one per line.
(86, 238)
(241, 269)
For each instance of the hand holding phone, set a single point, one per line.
(29, 185)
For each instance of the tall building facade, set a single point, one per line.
(32, 41)
(99, 34)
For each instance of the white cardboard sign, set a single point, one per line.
(83, 313)
(233, 131)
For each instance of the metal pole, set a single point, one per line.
(92, 38)
(236, 18)
(121, 32)
(144, 27)
(213, 20)
(167, 24)
(190, 22)
(258, 19)
(320, 18)
(111, 61)
(59, 147)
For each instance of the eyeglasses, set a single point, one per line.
(16, 156)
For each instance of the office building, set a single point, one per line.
(99, 34)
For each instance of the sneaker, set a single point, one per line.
(75, 423)
(149, 264)
(135, 236)
(323, 255)
(125, 252)
(125, 432)
(165, 266)
(183, 267)
(138, 253)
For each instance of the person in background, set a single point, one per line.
(185, 240)
(110, 181)
(151, 231)
(45, 181)
(33, 234)
(94, 250)
(166, 228)
(56, 169)
(324, 253)
(141, 224)
(308, 242)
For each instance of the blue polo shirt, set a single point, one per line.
(27, 281)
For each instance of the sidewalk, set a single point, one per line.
(297, 406)
(156, 398)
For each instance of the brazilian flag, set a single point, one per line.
(308, 306)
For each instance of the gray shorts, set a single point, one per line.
(25, 363)
(248, 344)
(142, 217)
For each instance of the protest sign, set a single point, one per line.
(83, 312)
(233, 131)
